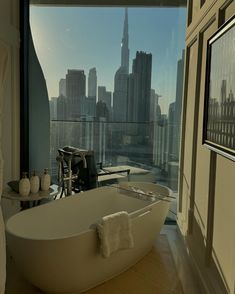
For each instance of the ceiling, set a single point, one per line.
(155, 3)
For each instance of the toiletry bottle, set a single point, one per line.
(45, 180)
(24, 185)
(34, 183)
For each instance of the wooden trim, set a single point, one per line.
(183, 127)
(221, 17)
(201, 16)
(197, 270)
(195, 132)
(15, 168)
(206, 10)
(24, 95)
(220, 270)
(211, 198)
(183, 121)
(200, 37)
(226, 5)
(190, 12)
(160, 3)
(202, 3)
(211, 207)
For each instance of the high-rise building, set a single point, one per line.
(75, 90)
(92, 83)
(108, 101)
(106, 97)
(125, 52)
(171, 132)
(161, 142)
(121, 78)
(100, 138)
(86, 132)
(53, 108)
(62, 87)
(102, 110)
(101, 92)
(90, 106)
(156, 126)
(75, 83)
(62, 108)
(120, 95)
(139, 90)
(154, 97)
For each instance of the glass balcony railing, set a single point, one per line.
(149, 150)
(150, 146)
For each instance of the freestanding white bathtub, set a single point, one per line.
(57, 249)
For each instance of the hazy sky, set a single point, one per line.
(82, 38)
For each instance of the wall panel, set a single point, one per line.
(5, 11)
(223, 241)
(224, 237)
(202, 153)
(196, 8)
(9, 34)
(188, 135)
(229, 11)
(214, 238)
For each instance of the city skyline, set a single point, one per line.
(105, 74)
(133, 130)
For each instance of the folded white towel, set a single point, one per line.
(115, 233)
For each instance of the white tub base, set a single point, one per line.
(56, 249)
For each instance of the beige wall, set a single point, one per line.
(9, 108)
(208, 229)
(207, 181)
(9, 35)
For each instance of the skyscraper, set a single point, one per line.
(62, 108)
(92, 83)
(102, 110)
(121, 78)
(75, 91)
(124, 45)
(101, 93)
(75, 83)
(156, 131)
(172, 139)
(153, 104)
(106, 97)
(139, 91)
(120, 95)
(53, 108)
(62, 87)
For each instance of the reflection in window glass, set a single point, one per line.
(123, 102)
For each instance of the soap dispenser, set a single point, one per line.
(45, 180)
(34, 183)
(24, 185)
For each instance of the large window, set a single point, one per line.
(114, 80)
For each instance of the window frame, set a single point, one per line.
(24, 92)
(24, 53)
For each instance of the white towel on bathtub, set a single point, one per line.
(115, 233)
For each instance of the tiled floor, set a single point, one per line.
(165, 270)
(155, 273)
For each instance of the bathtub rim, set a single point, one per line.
(133, 215)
